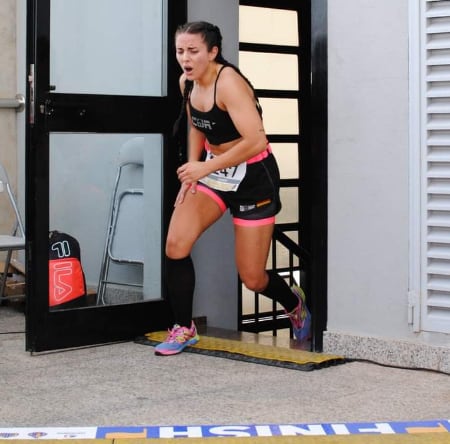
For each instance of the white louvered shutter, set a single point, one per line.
(435, 220)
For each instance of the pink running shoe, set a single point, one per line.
(300, 317)
(177, 340)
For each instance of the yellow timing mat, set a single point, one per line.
(423, 438)
(433, 438)
(255, 353)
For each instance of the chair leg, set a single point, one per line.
(5, 276)
(102, 281)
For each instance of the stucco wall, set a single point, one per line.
(368, 167)
(8, 151)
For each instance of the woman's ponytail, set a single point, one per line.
(180, 125)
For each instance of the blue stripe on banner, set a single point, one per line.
(204, 431)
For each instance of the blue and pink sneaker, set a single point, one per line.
(177, 340)
(300, 317)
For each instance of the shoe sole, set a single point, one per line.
(192, 341)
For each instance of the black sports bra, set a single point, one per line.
(215, 124)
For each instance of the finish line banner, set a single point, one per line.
(208, 431)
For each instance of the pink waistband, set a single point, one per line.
(260, 156)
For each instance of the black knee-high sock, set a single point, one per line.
(180, 279)
(278, 290)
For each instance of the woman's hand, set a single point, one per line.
(183, 190)
(188, 174)
(191, 172)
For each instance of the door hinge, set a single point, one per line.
(31, 85)
(413, 310)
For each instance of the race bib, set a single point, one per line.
(227, 179)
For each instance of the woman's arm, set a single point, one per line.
(196, 143)
(236, 97)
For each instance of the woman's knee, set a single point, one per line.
(255, 281)
(177, 247)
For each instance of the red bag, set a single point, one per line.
(66, 280)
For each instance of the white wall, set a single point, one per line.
(369, 243)
(368, 167)
(22, 88)
(8, 90)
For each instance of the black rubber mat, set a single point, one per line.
(254, 353)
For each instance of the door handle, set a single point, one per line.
(18, 103)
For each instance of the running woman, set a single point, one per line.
(238, 172)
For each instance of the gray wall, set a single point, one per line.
(216, 276)
(368, 167)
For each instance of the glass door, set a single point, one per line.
(100, 168)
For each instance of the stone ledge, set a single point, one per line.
(388, 351)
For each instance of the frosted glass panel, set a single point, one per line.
(92, 59)
(267, 25)
(287, 158)
(83, 172)
(280, 115)
(270, 70)
(289, 210)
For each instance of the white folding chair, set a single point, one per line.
(15, 238)
(125, 231)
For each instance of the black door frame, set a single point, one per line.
(319, 170)
(36, 206)
(71, 328)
